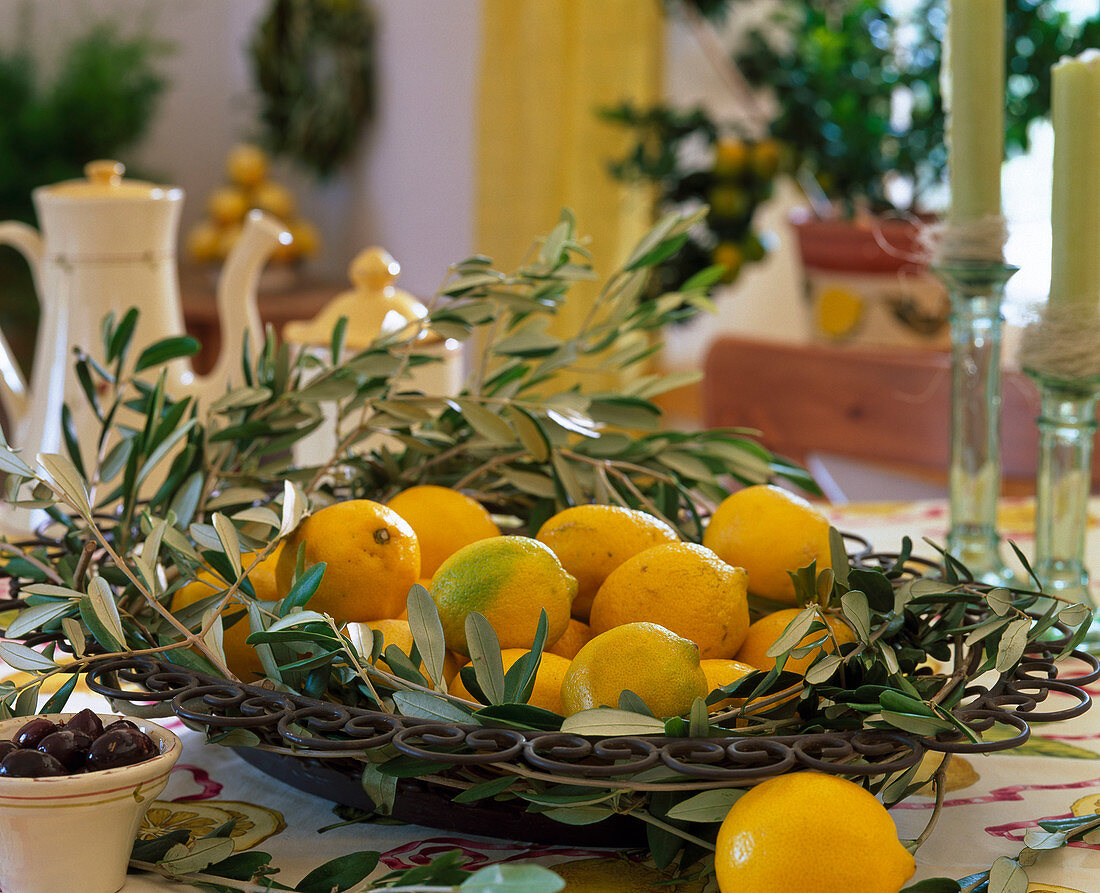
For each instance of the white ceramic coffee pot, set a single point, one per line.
(108, 244)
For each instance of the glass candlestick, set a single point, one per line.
(1067, 423)
(974, 475)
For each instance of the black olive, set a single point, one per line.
(119, 746)
(30, 764)
(33, 732)
(87, 722)
(68, 747)
(6, 747)
(121, 724)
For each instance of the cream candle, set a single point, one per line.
(1075, 203)
(974, 96)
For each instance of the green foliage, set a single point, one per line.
(724, 170)
(99, 104)
(834, 67)
(171, 489)
(211, 863)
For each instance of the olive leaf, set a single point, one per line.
(706, 806)
(23, 658)
(608, 722)
(484, 648)
(68, 481)
(793, 633)
(427, 632)
(39, 615)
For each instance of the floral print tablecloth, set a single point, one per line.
(991, 800)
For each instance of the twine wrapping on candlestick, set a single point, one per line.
(975, 241)
(1062, 341)
(942, 242)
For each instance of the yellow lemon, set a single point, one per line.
(721, 672)
(766, 156)
(571, 641)
(546, 692)
(615, 874)
(592, 540)
(274, 199)
(683, 587)
(444, 521)
(394, 632)
(371, 555)
(227, 205)
(509, 580)
(657, 665)
(839, 312)
(240, 657)
(306, 239)
(764, 632)
(246, 164)
(810, 831)
(203, 242)
(731, 256)
(730, 156)
(768, 531)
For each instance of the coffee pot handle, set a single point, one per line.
(13, 385)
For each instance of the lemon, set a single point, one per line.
(571, 641)
(769, 532)
(810, 831)
(227, 205)
(657, 665)
(275, 199)
(371, 555)
(720, 672)
(394, 632)
(766, 156)
(444, 521)
(246, 164)
(306, 239)
(546, 692)
(731, 256)
(240, 657)
(683, 587)
(203, 242)
(592, 540)
(509, 580)
(765, 631)
(730, 157)
(839, 312)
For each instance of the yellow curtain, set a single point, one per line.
(547, 66)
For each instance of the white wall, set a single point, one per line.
(410, 188)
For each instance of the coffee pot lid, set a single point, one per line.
(104, 179)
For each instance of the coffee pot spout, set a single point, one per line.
(236, 295)
(16, 396)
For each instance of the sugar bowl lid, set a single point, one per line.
(374, 306)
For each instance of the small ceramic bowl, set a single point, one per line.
(75, 832)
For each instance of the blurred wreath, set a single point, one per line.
(313, 64)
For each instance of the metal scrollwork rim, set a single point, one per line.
(310, 728)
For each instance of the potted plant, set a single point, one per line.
(857, 92)
(854, 99)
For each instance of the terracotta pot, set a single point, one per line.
(866, 283)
